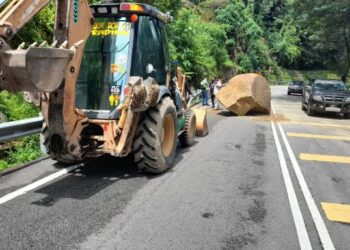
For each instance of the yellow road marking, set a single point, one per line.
(336, 212)
(324, 137)
(325, 158)
(320, 124)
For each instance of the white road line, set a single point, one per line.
(303, 236)
(315, 213)
(37, 184)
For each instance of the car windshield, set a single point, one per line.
(329, 86)
(299, 83)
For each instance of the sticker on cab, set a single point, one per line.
(111, 29)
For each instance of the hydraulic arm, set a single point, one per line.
(51, 70)
(39, 68)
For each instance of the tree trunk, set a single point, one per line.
(347, 52)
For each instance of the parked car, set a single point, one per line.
(326, 95)
(295, 87)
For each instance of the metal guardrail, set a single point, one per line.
(13, 130)
(10, 131)
(280, 83)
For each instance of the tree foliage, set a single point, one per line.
(325, 31)
(217, 36)
(214, 37)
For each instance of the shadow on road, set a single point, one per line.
(226, 113)
(97, 175)
(251, 113)
(328, 115)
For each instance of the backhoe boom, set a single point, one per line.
(52, 71)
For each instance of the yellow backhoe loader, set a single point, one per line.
(105, 81)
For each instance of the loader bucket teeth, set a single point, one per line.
(35, 69)
(201, 122)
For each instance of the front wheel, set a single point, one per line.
(187, 137)
(303, 106)
(155, 140)
(309, 110)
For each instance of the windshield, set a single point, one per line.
(299, 83)
(329, 87)
(104, 68)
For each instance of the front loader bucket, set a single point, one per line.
(201, 122)
(35, 69)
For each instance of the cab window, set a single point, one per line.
(149, 49)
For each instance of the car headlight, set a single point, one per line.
(317, 98)
(347, 99)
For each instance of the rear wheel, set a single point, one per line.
(187, 137)
(155, 141)
(288, 93)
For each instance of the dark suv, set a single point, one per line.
(326, 95)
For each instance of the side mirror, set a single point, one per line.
(150, 69)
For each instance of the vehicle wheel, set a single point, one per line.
(309, 111)
(155, 141)
(187, 137)
(303, 106)
(288, 93)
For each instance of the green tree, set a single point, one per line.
(326, 31)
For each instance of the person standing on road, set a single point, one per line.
(211, 92)
(205, 88)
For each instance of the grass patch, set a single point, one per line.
(26, 149)
(21, 151)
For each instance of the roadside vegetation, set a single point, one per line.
(282, 39)
(13, 107)
(275, 37)
(228, 37)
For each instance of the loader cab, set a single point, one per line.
(126, 40)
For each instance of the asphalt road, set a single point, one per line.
(229, 191)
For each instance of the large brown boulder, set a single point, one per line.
(246, 93)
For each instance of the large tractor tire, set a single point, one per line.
(188, 136)
(155, 139)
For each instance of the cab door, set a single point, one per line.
(150, 50)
